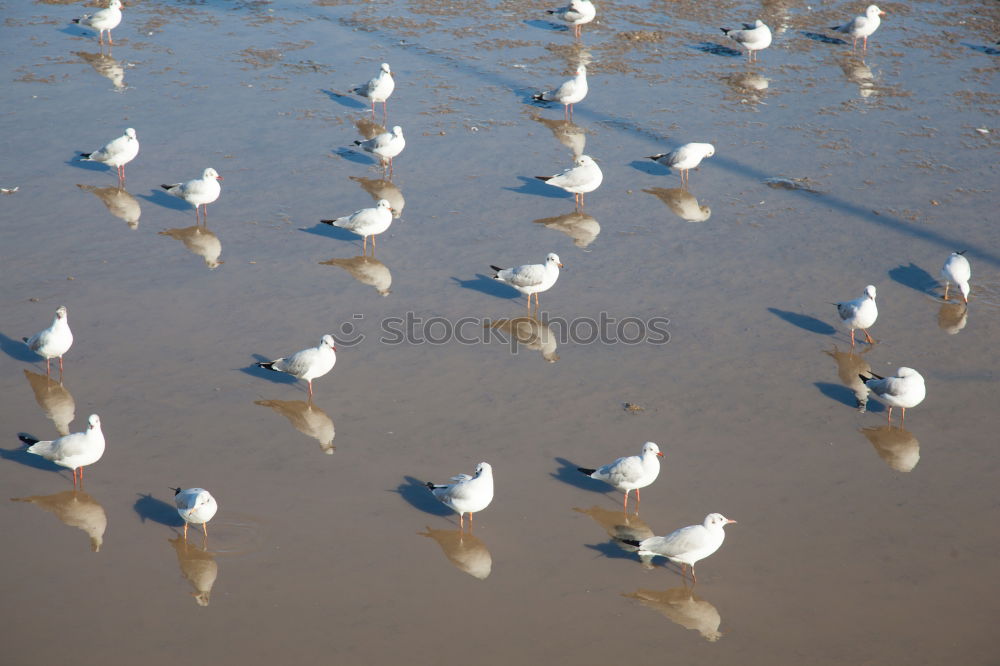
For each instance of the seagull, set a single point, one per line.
(385, 146)
(754, 37)
(861, 26)
(469, 494)
(72, 451)
(366, 222)
(378, 89)
(117, 153)
(905, 390)
(859, 313)
(568, 94)
(630, 472)
(685, 158)
(103, 19)
(54, 341)
(531, 278)
(957, 269)
(576, 13)
(584, 176)
(195, 505)
(688, 544)
(307, 364)
(198, 192)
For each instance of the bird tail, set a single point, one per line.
(86, 157)
(269, 365)
(434, 486)
(631, 542)
(358, 143)
(27, 439)
(550, 11)
(176, 490)
(538, 97)
(169, 187)
(586, 471)
(544, 178)
(76, 20)
(26, 340)
(497, 269)
(656, 157)
(726, 31)
(333, 223)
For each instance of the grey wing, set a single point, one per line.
(680, 155)
(680, 541)
(461, 477)
(528, 275)
(846, 310)
(891, 386)
(185, 501)
(299, 362)
(625, 469)
(70, 445)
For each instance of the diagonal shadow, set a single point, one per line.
(156, 510)
(803, 321)
(419, 497)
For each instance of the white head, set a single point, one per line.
(651, 447)
(383, 204)
(115, 4)
(585, 160)
(129, 132)
(581, 70)
(385, 68)
(709, 149)
(716, 520)
(908, 372)
(61, 312)
(397, 131)
(759, 24)
(327, 341)
(870, 291)
(873, 11)
(94, 422)
(484, 468)
(210, 173)
(553, 258)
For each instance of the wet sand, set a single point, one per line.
(855, 544)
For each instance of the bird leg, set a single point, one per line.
(852, 338)
(694, 576)
(946, 285)
(902, 418)
(868, 337)
(625, 503)
(310, 384)
(204, 527)
(60, 369)
(638, 499)
(890, 415)
(185, 531)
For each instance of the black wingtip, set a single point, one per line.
(960, 251)
(586, 471)
(429, 485)
(166, 187)
(631, 542)
(86, 156)
(357, 143)
(176, 490)
(25, 339)
(76, 20)
(330, 222)
(550, 11)
(725, 31)
(544, 178)
(27, 439)
(538, 97)
(656, 157)
(496, 268)
(267, 365)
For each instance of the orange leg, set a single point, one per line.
(890, 415)
(310, 384)
(868, 337)
(185, 530)
(852, 338)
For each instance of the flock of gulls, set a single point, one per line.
(470, 494)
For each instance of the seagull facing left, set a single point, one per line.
(73, 451)
(307, 364)
(196, 506)
(103, 20)
(469, 494)
(117, 153)
(54, 341)
(688, 544)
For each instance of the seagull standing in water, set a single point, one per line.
(378, 89)
(73, 451)
(307, 364)
(116, 153)
(905, 390)
(576, 13)
(103, 20)
(366, 222)
(568, 94)
(685, 158)
(861, 26)
(198, 192)
(859, 313)
(957, 269)
(531, 278)
(753, 37)
(584, 176)
(630, 472)
(688, 544)
(196, 506)
(469, 494)
(54, 341)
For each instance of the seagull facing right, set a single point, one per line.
(73, 451)
(366, 222)
(195, 505)
(54, 341)
(469, 494)
(198, 192)
(688, 544)
(568, 94)
(630, 472)
(859, 313)
(531, 278)
(905, 390)
(685, 158)
(378, 89)
(957, 269)
(754, 37)
(385, 146)
(307, 364)
(584, 176)
(103, 19)
(861, 26)
(576, 13)
(117, 153)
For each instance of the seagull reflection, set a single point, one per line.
(620, 526)
(850, 367)
(120, 203)
(54, 399)
(859, 73)
(681, 606)
(579, 226)
(369, 129)
(897, 447)
(105, 65)
(307, 418)
(200, 241)
(952, 317)
(380, 188)
(530, 332)
(198, 566)
(566, 132)
(366, 270)
(76, 509)
(465, 551)
(682, 203)
(748, 86)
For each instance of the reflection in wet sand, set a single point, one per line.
(200, 241)
(529, 332)
(465, 551)
(579, 226)
(76, 509)
(952, 317)
(366, 270)
(682, 203)
(850, 367)
(369, 129)
(198, 566)
(748, 86)
(619, 525)
(897, 447)
(859, 73)
(105, 65)
(380, 188)
(55, 400)
(566, 132)
(307, 418)
(681, 606)
(119, 202)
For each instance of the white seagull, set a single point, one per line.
(117, 153)
(385, 146)
(859, 313)
(685, 158)
(366, 222)
(753, 37)
(196, 506)
(905, 390)
(73, 451)
(576, 13)
(688, 544)
(469, 494)
(531, 278)
(630, 472)
(568, 94)
(54, 341)
(198, 192)
(378, 89)
(103, 20)
(957, 269)
(307, 364)
(861, 26)
(584, 176)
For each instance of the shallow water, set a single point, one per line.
(855, 543)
